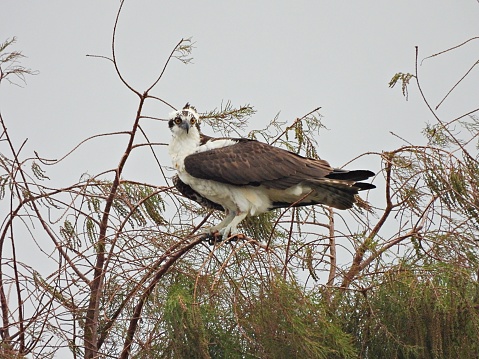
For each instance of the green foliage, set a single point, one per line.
(3, 185)
(68, 232)
(7, 353)
(404, 78)
(279, 321)
(436, 135)
(305, 132)
(262, 227)
(183, 51)
(38, 172)
(282, 322)
(148, 201)
(454, 180)
(135, 203)
(184, 323)
(194, 322)
(412, 312)
(9, 63)
(228, 119)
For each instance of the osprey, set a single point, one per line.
(245, 177)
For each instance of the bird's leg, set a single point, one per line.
(228, 218)
(232, 227)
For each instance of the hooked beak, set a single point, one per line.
(185, 125)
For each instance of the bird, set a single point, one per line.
(245, 177)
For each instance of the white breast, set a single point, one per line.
(252, 200)
(180, 147)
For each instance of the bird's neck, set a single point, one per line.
(182, 145)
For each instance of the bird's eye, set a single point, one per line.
(177, 120)
(193, 121)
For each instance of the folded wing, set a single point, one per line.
(253, 163)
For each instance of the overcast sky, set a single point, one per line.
(279, 56)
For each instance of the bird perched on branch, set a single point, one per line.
(246, 177)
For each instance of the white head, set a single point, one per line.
(185, 122)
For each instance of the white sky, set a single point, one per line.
(279, 56)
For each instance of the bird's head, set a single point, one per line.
(185, 121)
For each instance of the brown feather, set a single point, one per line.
(254, 163)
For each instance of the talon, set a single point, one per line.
(213, 237)
(204, 236)
(240, 236)
(236, 237)
(217, 236)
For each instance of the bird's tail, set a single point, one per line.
(339, 188)
(356, 175)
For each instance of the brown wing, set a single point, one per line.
(254, 163)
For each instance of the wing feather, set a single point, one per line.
(249, 162)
